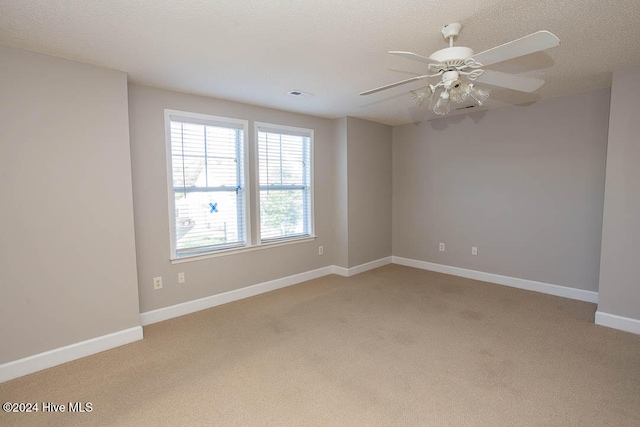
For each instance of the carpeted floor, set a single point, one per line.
(392, 346)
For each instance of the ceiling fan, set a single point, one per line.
(459, 69)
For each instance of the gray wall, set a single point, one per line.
(369, 190)
(224, 273)
(524, 184)
(362, 218)
(67, 251)
(620, 261)
(341, 195)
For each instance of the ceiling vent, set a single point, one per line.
(299, 94)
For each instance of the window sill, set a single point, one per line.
(240, 250)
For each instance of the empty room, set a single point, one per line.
(320, 213)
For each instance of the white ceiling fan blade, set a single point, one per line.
(378, 89)
(510, 81)
(413, 56)
(523, 46)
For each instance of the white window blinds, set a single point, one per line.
(285, 182)
(208, 183)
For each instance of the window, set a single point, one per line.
(208, 195)
(208, 184)
(285, 182)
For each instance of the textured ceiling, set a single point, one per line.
(256, 51)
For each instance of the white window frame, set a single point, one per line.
(289, 130)
(219, 121)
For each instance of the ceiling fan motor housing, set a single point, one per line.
(452, 54)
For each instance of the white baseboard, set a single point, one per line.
(75, 351)
(165, 313)
(530, 285)
(618, 322)
(58, 356)
(348, 272)
(188, 307)
(48, 359)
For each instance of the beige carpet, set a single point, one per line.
(392, 346)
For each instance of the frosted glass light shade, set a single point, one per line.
(443, 106)
(421, 95)
(479, 95)
(460, 91)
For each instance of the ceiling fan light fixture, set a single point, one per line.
(457, 91)
(460, 91)
(458, 68)
(480, 96)
(421, 95)
(443, 106)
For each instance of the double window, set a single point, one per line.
(210, 194)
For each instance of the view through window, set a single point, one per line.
(209, 176)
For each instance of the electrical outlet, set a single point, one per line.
(181, 277)
(441, 247)
(157, 283)
(474, 250)
(320, 250)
